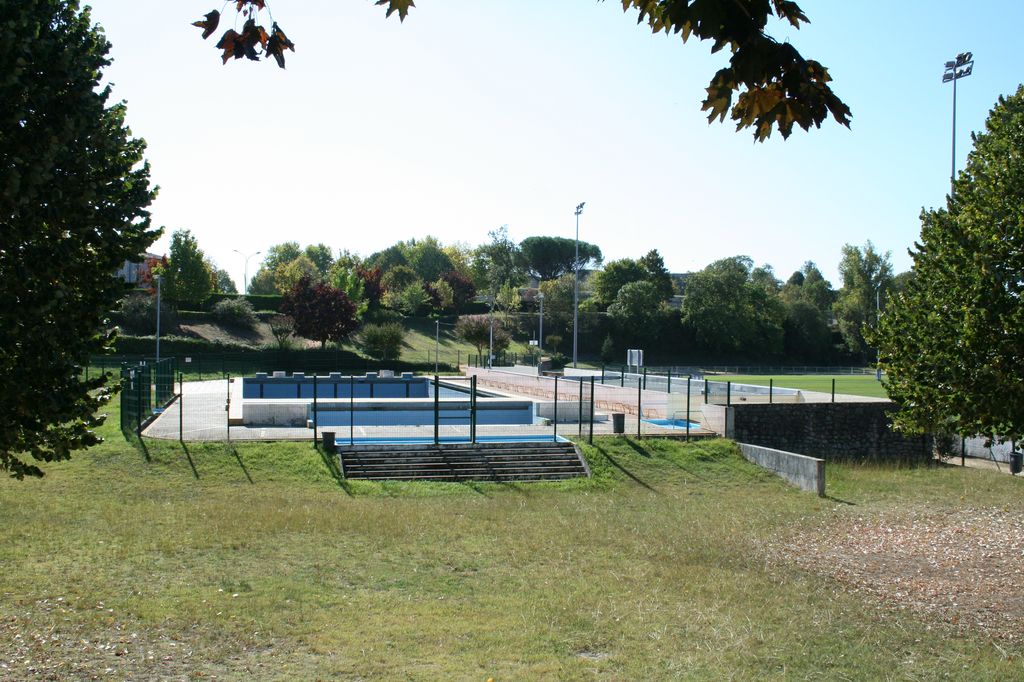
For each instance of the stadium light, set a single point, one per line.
(576, 286)
(961, 67)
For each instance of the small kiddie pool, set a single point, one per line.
(672, 423)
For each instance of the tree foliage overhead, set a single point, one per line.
(772, 83)
(72, 210)
(952, 340)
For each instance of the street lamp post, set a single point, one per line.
(245, 284)
(576, 286)
(159, 280)
(490, 342)
(540, 333)
(961, 67)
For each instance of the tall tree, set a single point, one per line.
(477, 331)
(952, 340)
(187, 279)
(320, 311)
(729, 312)
(867, 275)
(72, 211)
(637, 312)
(498, 262)
(287, 275)
(774, 83)
(321, 256)
(428, 259)
(615, 275)
(808, 284)
(657, 274)
(551, 257)
(222, 282)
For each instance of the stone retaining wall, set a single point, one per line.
(831, 431)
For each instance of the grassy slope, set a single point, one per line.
(857, 384)
(257, 562)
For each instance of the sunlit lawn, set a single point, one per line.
(257, 563)
(850, 384)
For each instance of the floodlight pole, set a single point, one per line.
(540, 339)
(245, 283)
(490, 343)
(576, 286)
(961, 67)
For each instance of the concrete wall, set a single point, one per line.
(806, 473)
(851, 431)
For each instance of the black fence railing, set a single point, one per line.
(146, 386)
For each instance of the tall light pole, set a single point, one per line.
(961, 67)
(159, 279)
(540, 333)
(576, 286)
(245, 284)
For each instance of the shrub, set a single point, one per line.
(138, 315)
(383, 341)
(236, 312)
(283, 328)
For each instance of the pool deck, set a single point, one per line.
(206, 419)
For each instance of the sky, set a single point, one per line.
(470, 115)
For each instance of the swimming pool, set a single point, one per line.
(672, 423)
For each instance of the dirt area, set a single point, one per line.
(963, 567)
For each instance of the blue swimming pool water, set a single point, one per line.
(416, 440)
(671, 423)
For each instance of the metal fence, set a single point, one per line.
(147, 387)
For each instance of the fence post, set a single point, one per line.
(351, 409)
(314, 409)
(580, 417)
(227, 406)
(554, 415)
(181, 407)
(622, 377)
(639, 406)
(472, 409)
(705, 391)
(437, 411)
(728, 393)
(833, 389)
(669, 389)
(199, 365)
(602, 375)
(687, 409)
(590, 438)
(771, 389)
(138, 402)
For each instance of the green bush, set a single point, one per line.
(382, 341)
(173, 345)
(260, 302)
(137, 315)
(236, 312)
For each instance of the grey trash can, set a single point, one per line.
(1016, 462)
(618, 422)
(327, 440)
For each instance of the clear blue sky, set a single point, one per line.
(471, 114)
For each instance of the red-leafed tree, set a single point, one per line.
(462, 287)
(321, 312)
(373, 290)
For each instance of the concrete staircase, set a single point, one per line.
(463, 462)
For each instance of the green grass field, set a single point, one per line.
(256, 562)
(856, 384)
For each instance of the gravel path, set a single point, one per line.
(963, 567)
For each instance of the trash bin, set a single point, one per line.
(618, 422)
(327, 440)
(1016, 462)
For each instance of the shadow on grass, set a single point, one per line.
(188, 456)
(136, 441)
(833, 498)
(238, 458)
(331, 463)
(627, 472)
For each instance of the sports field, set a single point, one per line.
(856, 384)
